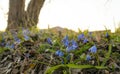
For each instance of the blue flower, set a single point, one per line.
(25, 31)
(88, 57)
(85, 40)
(12, 46)
(9, 46)
(17, 40)
(81, 36)
(59, 53)
(69, 48)
(65, 41)
(26, 37)
(93, 49)
(49, 41)
(107, 35)
(73, 46)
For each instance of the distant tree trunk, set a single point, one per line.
(18, 17)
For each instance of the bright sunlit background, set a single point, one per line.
(73, 14)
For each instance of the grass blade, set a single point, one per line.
(107, 55)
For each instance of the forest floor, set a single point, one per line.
(59, 51)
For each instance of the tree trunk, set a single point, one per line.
(33, 12)
(18, 17)
(16, 12)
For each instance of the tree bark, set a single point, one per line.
(18, 17)
(16, 12)
(33, 12)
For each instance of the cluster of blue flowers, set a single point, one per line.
(82, 38)
(93, 49)
(10, 46)
(16, 39)
(72, 45)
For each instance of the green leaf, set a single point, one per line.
(52, 69)
(85, 66)
(107, 55)
(82, 49)
(2, 49)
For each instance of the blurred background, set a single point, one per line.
(72, 14)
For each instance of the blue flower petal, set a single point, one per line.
(12, 46)
(85, 40)
(93, 49)
(81, 36)
(65, 41)
(59, 53)
(88, 57)
(17, 40)
(49, 41)
(74, 44)
(26, 37)
(107, 35)
(68, 49)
